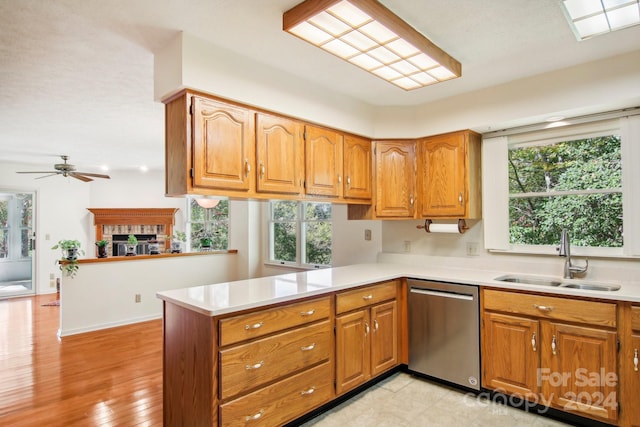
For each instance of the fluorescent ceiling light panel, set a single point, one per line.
(370, 36)
(590, 18)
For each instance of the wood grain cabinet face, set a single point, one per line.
(630, 369)
(223, 145)
(530, 350)
(367, 337)
(323, 151)
(449, 167)
(357, 168)
(279, 154)
(395, 179)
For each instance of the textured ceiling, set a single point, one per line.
(77, 75)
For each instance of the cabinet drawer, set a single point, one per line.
(248, 366)
(635, 318)
(547, 307)
(254, 325)
(352, 300)
(282, 401)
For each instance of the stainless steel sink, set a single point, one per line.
(550, 281)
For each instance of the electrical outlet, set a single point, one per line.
(52, 276)
(472, 249)
(367, 234)
(52, 283)
(138, 298)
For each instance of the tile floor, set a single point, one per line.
(405, 401)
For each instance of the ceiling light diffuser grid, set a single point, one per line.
(590, 18)
(366, 34)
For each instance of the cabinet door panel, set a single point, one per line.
(223, 145)
(444, 190)
(395, 179)
(279, 154)
(384, 337)
(357, 168)
(352, 350)
(633, 380)
(323, 151)
(582, 369)
(511, 358)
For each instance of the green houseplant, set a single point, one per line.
(132, 243)
(102, 248)
(69, 262)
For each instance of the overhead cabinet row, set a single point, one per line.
(215, 147)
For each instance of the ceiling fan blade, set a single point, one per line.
(46, 176)
(40, 172)
(80, 177)
(94, 175)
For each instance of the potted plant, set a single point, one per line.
(69, 262)
(102, 248)
(206, 241)
(154, 247)
(176, 241)
(132, 244)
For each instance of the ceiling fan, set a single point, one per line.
(65, 169)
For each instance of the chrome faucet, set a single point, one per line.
(565, 250)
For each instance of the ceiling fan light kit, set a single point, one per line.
(68, 170)
(370, 36)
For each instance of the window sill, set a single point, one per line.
(576, 251)
(294, 266)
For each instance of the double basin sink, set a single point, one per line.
(548, 281)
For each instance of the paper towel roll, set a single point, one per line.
(444, 228)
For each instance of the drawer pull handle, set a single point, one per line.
(261, 170)
(255, 416)
(258, 365)
(554, 346)
(635, 360)
(308, 313)
(375, 326)
(247, 167)
(308, 347)
(307, 392)
(348, 181)
(366, 328)
(367, 297)
(543, 307)
(533, 341)
(254, 326)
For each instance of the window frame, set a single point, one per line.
(300, 236)
(495, 184)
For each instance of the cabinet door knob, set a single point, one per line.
(554, 346)
(254, 326)
(254, 417)
(258, 365)
(308, 313)
(635, 360)
(366, 328)
(247, 167)
(460, 198)
(375, 325)
(533, 341)
(411, 199)
(339, 179)
(261, 170)
(308, 347)
(348, 181)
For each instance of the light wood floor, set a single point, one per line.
(111, 377)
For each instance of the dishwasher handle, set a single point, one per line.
(443, 294)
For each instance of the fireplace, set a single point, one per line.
(115, 225)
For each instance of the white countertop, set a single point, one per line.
(229, 297)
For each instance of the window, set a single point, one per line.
(576, 185)
(208, 227)
(16, 212)
(300, 233)
(575, 177)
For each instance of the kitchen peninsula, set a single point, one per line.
(263, 349)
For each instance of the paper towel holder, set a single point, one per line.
(462, 225)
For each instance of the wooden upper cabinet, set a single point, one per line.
(357, 168)
(279, 154)
(395, 171)
(450, 176)
(323, 151)
(223, 145)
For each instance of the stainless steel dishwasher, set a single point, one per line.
(444, 333)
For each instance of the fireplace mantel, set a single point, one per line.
(133, 217)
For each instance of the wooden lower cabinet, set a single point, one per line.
(281, 402)
(366, 344)
(633, 380)
(562, 359)
(630, 367)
